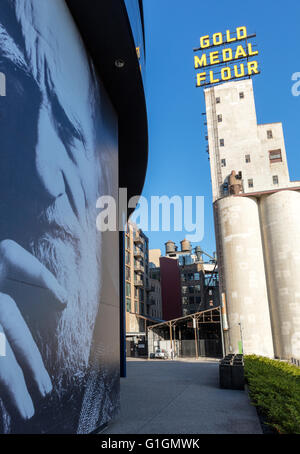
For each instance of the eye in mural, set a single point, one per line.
(58, 155)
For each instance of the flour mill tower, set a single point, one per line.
(256, 206)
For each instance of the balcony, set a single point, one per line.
(138, 254)
(138, 283)
(138, 239)
(139, 268)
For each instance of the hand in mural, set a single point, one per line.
(23, 358)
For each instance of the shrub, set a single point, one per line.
(274, 387)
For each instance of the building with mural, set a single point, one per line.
(75, 121)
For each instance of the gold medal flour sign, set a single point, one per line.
(223, 57)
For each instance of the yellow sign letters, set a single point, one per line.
(227, 58)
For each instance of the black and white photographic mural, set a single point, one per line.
(59, 313)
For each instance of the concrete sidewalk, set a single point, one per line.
(178, 397)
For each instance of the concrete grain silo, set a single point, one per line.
(244, 276)
(257, 224)
(280, 221)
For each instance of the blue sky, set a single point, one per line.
(178, 163)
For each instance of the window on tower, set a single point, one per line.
(275, 179)
(222, 143)
(269, 134)
(247, 158)
(218, 100)
(220, 118)
(223, 162)
(250, 183)
(242, 95)
(275, 156)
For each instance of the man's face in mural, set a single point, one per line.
(50, 174)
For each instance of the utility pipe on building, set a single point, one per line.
(171, 339)
(195, 325)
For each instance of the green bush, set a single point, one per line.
(274, 388)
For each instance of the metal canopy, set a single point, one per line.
(207, 316)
